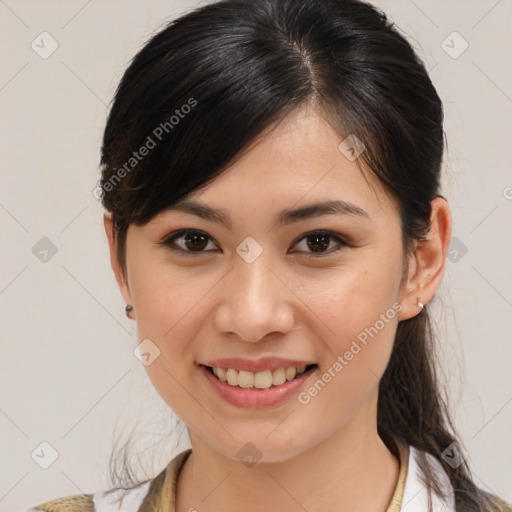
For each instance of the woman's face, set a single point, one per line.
(259, 287)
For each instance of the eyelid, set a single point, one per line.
(169, 239)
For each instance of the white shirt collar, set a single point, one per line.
(415, 498)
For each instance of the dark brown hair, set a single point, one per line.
(203, 88)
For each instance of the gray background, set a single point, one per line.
(68, 374)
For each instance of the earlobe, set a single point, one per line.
(426, 268)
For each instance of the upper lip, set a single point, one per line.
(256, 365)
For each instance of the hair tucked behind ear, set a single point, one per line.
(241, 65)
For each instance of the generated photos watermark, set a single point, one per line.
(355, 348)
(151, 142)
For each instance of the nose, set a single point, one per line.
(254, 302)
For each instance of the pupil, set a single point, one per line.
(320, 242)
(192, 240)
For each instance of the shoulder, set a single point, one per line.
(416, 495)
(76, 503)
(111, 500)
(142, 497)
(498, 505)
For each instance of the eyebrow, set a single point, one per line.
(285, 217)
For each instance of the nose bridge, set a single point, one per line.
(254, 280)
(255, 300)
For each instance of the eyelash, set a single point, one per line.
(170, 239)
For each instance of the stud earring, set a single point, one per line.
(420, 305)
(128, 309)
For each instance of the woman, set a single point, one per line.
(271, 180)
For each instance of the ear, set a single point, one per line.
(114, 261)
(426, 265)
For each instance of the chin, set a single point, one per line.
(256, 449)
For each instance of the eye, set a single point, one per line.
(319, 241)
(192, 242)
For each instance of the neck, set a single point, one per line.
(350, 470)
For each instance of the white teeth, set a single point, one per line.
(259, 380)
(290, 373)
(245, 379)
(232, 377)
(263, 380)
(278, 376)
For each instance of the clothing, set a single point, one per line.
(158, 494)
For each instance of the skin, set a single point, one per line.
(324, 455)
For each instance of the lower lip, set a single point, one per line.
(242, 397)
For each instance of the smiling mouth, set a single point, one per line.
(259, 380)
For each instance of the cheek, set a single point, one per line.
(362, 321)
(168, 308)
(165, 297)
(357, 298)
(361, 312)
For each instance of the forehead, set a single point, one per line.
(296, 162)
